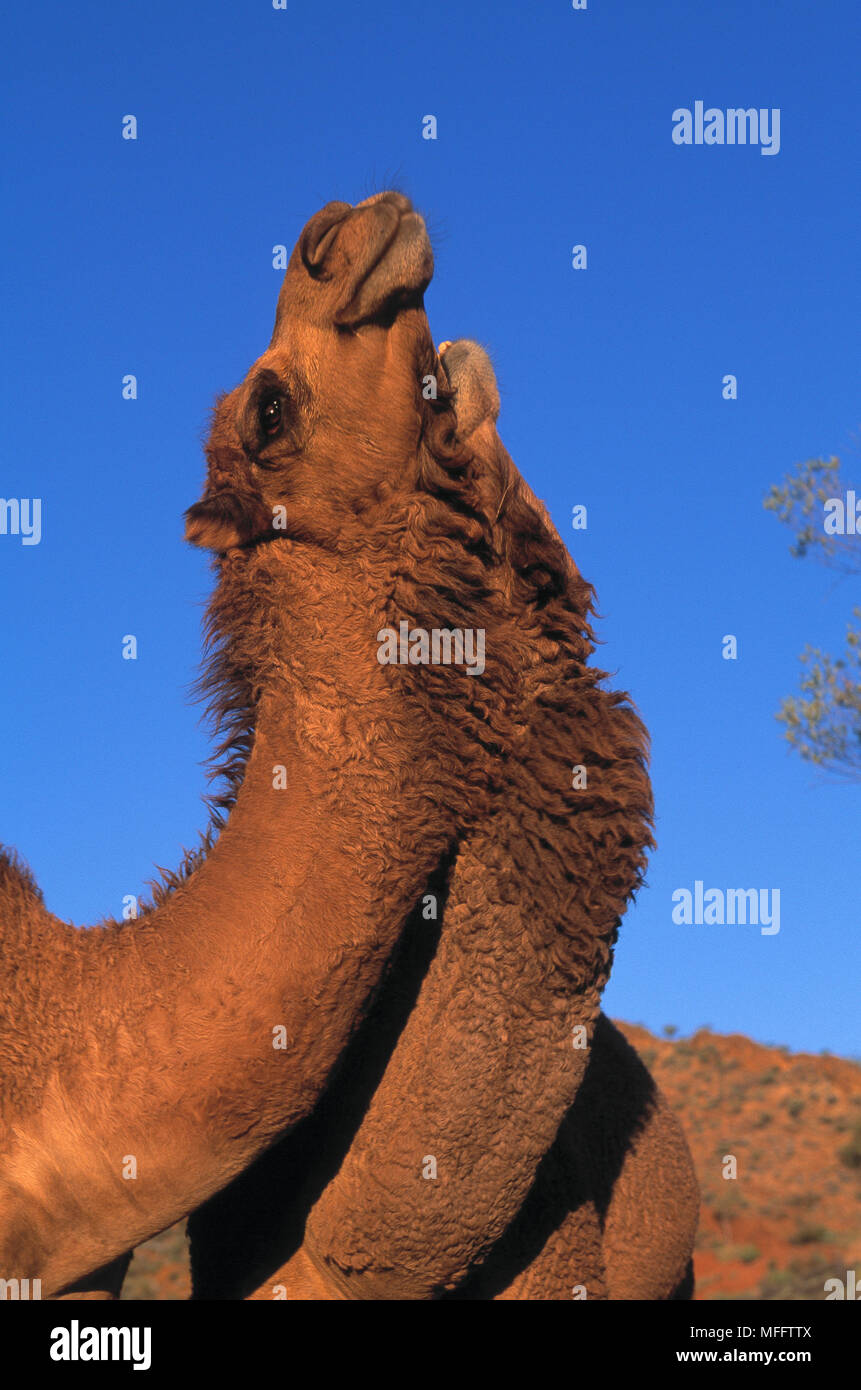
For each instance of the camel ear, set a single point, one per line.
(230, 512)
(473, 380)
(476, 406)
(522, 528)
(226, 519)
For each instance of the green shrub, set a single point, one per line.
(808, 1233)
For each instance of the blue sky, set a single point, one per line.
(554, 129)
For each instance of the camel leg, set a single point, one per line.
(650, 1212)
(643, 1251)
(641, 1177)
(612, 1213)
(652, 1219)
(569, 1267)
(647, 1233)
(617, 1191)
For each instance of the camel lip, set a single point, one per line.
(383, 316)
(316, 241)
(371, 302)
(409, 225)
(388, 258)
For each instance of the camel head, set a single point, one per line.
(352, 461)
(329, 418)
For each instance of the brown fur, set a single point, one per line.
(154, 1039)
(486, 1092)
(620, 1141)
(388, 515)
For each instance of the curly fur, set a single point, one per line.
(533, 905)
(154, 1038)
(391, 515)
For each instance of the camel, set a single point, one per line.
(147, 1047)
(429, 507)
(504, 1054)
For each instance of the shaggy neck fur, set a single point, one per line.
(481, 1070)
(153, 1041)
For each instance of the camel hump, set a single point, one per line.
(470, 371)
(16, 880)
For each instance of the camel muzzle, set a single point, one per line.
(368, 262)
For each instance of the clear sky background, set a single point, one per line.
(554, 128)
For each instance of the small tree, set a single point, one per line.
(823, 722)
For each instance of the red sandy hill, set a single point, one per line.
(789, 1221)
(792, 1217)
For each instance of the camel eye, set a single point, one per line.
(270, 414)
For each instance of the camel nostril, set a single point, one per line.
(319, 234)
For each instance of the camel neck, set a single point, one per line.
(212, 1025)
